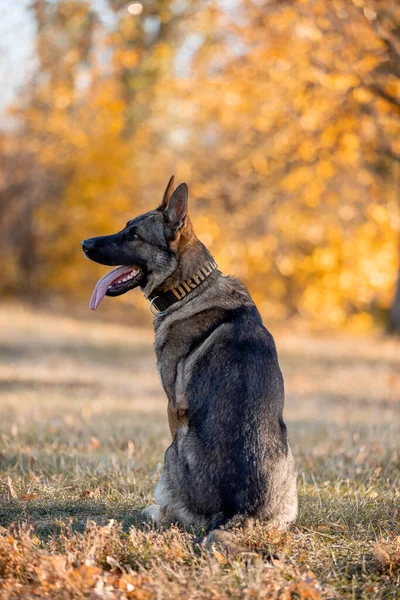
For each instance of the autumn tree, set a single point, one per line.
(282, 116)
(81, 122)
(385, 20)
(284, 139)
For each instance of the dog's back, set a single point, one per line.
(233, 456)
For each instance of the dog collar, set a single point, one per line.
(163, 300)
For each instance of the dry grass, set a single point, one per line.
(82, 433)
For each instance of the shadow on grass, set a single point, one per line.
(109, 353)
(19, 385)
(48, 518)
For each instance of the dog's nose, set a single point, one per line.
(87, 245)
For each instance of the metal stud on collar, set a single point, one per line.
(159, 313)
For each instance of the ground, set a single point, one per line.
(82, 434)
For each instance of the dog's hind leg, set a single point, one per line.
(174, 486)
(172, 508)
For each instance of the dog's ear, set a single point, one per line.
(167, 194)
(176, 211)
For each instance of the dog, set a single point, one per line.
(229, 457)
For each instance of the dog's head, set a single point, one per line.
(145, 250)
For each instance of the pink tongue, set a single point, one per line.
(101, 287)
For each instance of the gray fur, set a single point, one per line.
(230, 457)
(190, 472)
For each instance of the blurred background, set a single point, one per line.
(282, 116)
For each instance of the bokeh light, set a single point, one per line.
(136, 8)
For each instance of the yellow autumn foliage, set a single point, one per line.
(284, 120)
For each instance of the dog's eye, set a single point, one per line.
(132, 235)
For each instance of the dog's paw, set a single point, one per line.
(152, 513)
(225, 541)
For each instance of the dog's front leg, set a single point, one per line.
(178, 407)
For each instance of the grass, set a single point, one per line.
(82, 435)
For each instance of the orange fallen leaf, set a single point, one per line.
(131, 448)
(87, 494)
(219, 556)
(86, 573)
(380, 555)
(30, 496)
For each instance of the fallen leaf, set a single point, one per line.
(380, 555)
(219, 556)
(30, 496)
(87, 494)
(131, 448)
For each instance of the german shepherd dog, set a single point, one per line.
(229, 459)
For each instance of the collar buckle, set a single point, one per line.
(158, 313)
